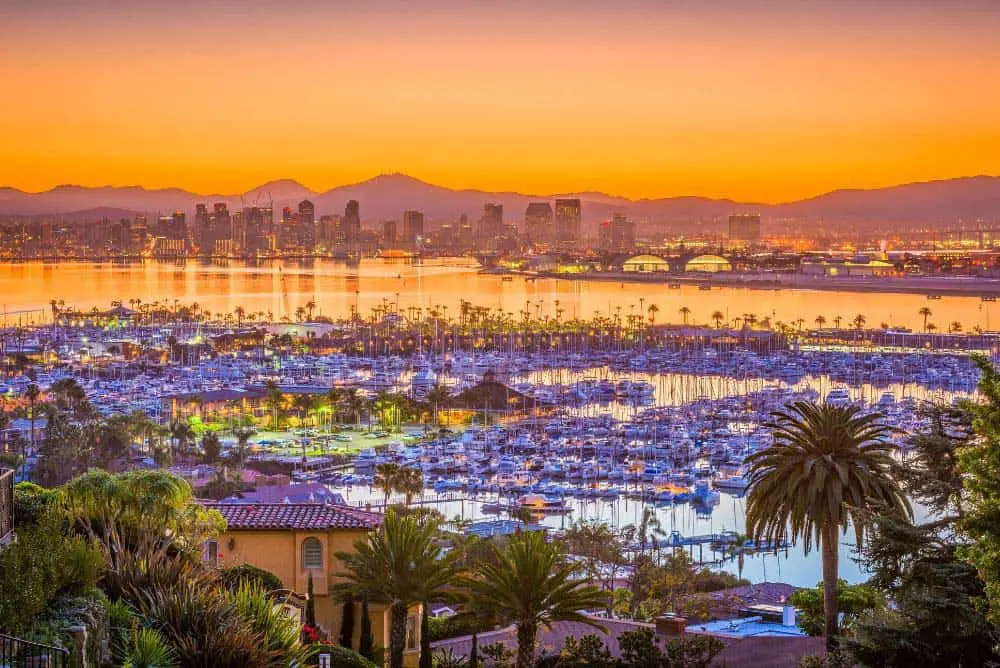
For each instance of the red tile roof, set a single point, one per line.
(290, 516)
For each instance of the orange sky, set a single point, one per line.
(765, 101)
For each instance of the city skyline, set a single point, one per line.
(764, 101)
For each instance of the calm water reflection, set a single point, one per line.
(280, 288)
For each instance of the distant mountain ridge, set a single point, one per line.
(385, 197)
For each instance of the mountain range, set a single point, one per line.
(943, 202)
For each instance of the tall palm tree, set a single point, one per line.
(718, 317)
(275, 399)
(653, 309)
(387, 479)
(529, 582)
(926, 313)
(437, 396)
(400, 565)
(409, 482)
(828, 463)
(31, 393)
(820, 321)
(685, 312)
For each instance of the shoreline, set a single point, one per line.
(930, 286)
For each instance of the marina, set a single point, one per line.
(551, 437)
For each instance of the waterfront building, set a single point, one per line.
(258, 224)
(538, 221)
(352, 222)
(568, 220)
(389, 233)
(645, 264)
(744, 228)
(413, 226)
(491, 223)
(708, 264)
(306, 224)
(616, 235)
(330, 231)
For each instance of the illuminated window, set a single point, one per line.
(312, 554)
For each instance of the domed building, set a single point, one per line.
(645, 264)
(708, 264)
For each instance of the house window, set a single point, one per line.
(212, 552)
(411, 632)
(312, 554)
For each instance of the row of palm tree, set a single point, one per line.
(525, 581)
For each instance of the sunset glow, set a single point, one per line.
(765, 101)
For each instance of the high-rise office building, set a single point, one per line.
(307, 224)
(568, 220)
(621, 235)
(203, 233)
(744, 227)
(258, 226)
(222, 225)
(413, 226)
(538, 221)
(330, 231)
(389, 234)
(352, 222)
(491, 224)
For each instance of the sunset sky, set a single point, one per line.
(764, 100)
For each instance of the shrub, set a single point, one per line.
(442, 628)
(639, 650)
(233, 578)
(149, 649)
(42, 564)
(341, 657)
(31, 502)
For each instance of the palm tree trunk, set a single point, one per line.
(526, 645)
(474, 651)
(830, 555)
(397, 635)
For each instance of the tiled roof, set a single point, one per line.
(289, 516)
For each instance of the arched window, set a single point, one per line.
(312, 554)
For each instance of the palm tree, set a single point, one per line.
(820, 321)
(859, 322)
(400, 565)
(652, 310)
(275, 399)
(827, 465)
(387, 477)
(529, 582)
(837, 320)
(685, 312)
(718, 317)
(438, 395)
(242, 434)
(31, 393)
(955, 327)
(409, 482)
(926, 313)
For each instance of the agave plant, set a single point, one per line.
(148, 648)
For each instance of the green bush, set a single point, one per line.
(31, 502)
(442, 628)
(42, 564)
(233, 578)
(341, 657)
